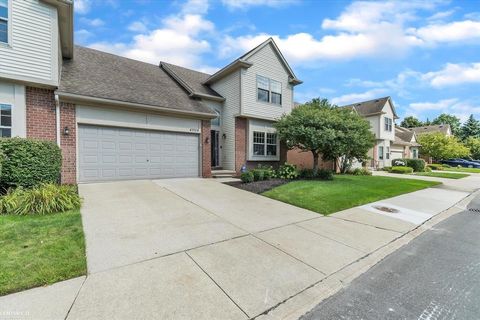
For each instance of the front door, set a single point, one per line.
(215, 145)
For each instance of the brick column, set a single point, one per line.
(68, 143)
(41, 121)
(240, 143)
(206, 149)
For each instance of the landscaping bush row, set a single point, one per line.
(400, 169)
(43, 199)
(418, 165)
(286, 171)
(28, 163)
(438, 166)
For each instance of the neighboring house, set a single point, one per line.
(381, 114)
(442, 128)
(405, 144)
(117, 118)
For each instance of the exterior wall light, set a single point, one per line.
(66, 131)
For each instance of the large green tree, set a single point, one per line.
(328, 132)
(453, 121)
(440, 147)
(411, 122)
(474, 145)
(471, 128)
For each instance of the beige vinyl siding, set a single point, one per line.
(229, 88)
(387, 135)
(266, 63)
(32, 52)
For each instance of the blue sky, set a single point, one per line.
(424, 54)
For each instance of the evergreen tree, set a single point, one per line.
(471, 128)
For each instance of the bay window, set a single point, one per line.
(269, 90)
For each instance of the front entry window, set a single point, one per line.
(5, 120)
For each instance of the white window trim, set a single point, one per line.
(381, 155)
(9, 26)
(269, 91)
(261, 126)
(388, 124)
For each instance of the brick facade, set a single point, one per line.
(68, 143)
(305, 160)
(240, 143)
(206, 149)
(41, 122)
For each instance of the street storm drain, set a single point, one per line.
(476, 210)
(386, 209)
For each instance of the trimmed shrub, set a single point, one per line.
(386, 168)
(399, 162)
(28, 163)
(246, 177)
(324, 174)
(306, 174)
(258, 174)
(418, 165)
(287, 171)
(435, 166)
(402, 170)
(427, 169)
(40, 200)
(268, 171)
(360, 172)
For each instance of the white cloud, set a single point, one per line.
(195, 7)
(82, 6)
(359, 97)
(93, 22)
(82, 35)
(454, 106)
(457, 31)
(176, 42)
(441, 15)
(245, 4)
(454, 74)
(137, 26)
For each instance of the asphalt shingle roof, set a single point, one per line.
(102, 75)
(368, 107)
(443, 128)
(404, 136)
(194, 79)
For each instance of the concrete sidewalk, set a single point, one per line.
(195, 248)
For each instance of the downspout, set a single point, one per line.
(57, 117)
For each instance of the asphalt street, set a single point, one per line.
(435, 276)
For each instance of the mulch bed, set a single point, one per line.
(258, 186)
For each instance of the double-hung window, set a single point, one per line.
(387, 155)
(5, 120)
(264, 144)
(380, 153)
(4, 21)
(269, 90)
(388, 124)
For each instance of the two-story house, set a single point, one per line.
(117, 118)
(381, 114)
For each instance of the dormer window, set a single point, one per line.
(269, 90)
(4, 21)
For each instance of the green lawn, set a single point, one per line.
(461, 169)
(344, 192)
(439, 174)
(40, 250)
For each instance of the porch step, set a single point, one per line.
(223, 173)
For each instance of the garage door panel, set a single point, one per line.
(124, 153)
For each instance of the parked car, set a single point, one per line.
(461, 162)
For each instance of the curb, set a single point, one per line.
(306, 300)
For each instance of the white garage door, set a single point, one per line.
(110, 153)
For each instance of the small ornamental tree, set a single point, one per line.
(439, 147)
(328, 132)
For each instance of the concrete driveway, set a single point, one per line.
(196, 248)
